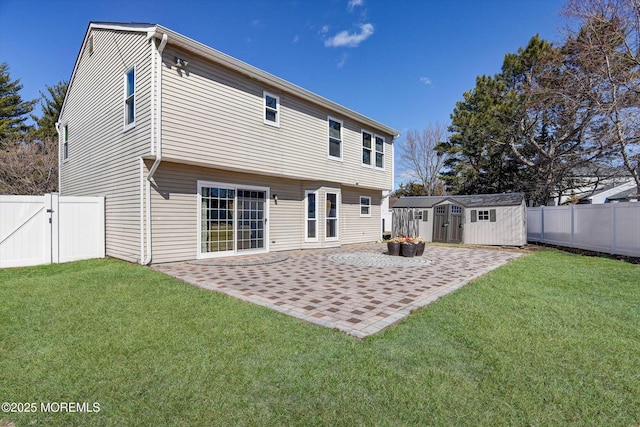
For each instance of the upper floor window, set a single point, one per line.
(271, 109)
(379, 152)
(335, 139)
(366, 148)
(65, 142)
(129, 98)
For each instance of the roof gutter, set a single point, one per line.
(156, 134)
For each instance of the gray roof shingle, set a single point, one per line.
(467, 201)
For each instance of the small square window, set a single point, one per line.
(483, 215)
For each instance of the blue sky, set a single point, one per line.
(404, 63)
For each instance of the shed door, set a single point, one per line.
(456, 219)
(440, 223)
(448, 223)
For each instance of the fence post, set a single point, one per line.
(571, 239)
(55, 227)
(541, 224)
(613, 228)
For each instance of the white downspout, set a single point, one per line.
(57, 124)
(158, 139)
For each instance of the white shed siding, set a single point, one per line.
(510, 227)
(426, 227)
(214, 117)
(103, 159)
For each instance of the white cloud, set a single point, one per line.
(343, 60)
(425, 80)
(353, 3)
(344, 38)
(296, 38)
(324, 29)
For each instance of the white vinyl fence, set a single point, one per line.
(50, 229)
(611, 228)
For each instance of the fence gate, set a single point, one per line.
(49, 229)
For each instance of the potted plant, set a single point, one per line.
(393, 246)
(419, 241)
(408, 247)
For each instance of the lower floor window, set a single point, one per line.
(365, 206)
(332, 215)
(483, 215)
(311, 216)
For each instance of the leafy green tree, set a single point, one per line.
(51, 105)
(13, 110)
(476, 164)
(410, 189)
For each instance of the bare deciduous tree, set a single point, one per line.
(421, 161)
(29, 167)
(605, 46)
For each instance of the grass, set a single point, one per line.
(551, 339)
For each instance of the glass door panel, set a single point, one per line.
(251, 219)
(217, 219)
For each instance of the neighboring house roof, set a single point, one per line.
(185, 43)
(468, 201)
(624, 196)
(609, 192)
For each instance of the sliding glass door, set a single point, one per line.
(232, 219)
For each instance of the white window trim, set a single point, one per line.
(338, 159)
(264, 109)
(481, 212)
(128, 126)
(306, 218)
(372, 150)
(361, 205)
(337, 217)
(234, 252)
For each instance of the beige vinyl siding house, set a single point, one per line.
(200, 155)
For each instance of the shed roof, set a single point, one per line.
(468, 201)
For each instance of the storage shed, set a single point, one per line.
(482, 219)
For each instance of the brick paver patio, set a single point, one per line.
(357, 289)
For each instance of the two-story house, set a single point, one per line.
(200, 155)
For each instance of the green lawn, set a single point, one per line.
(552, 339)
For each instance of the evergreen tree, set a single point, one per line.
(13, 110)
(51, 105)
